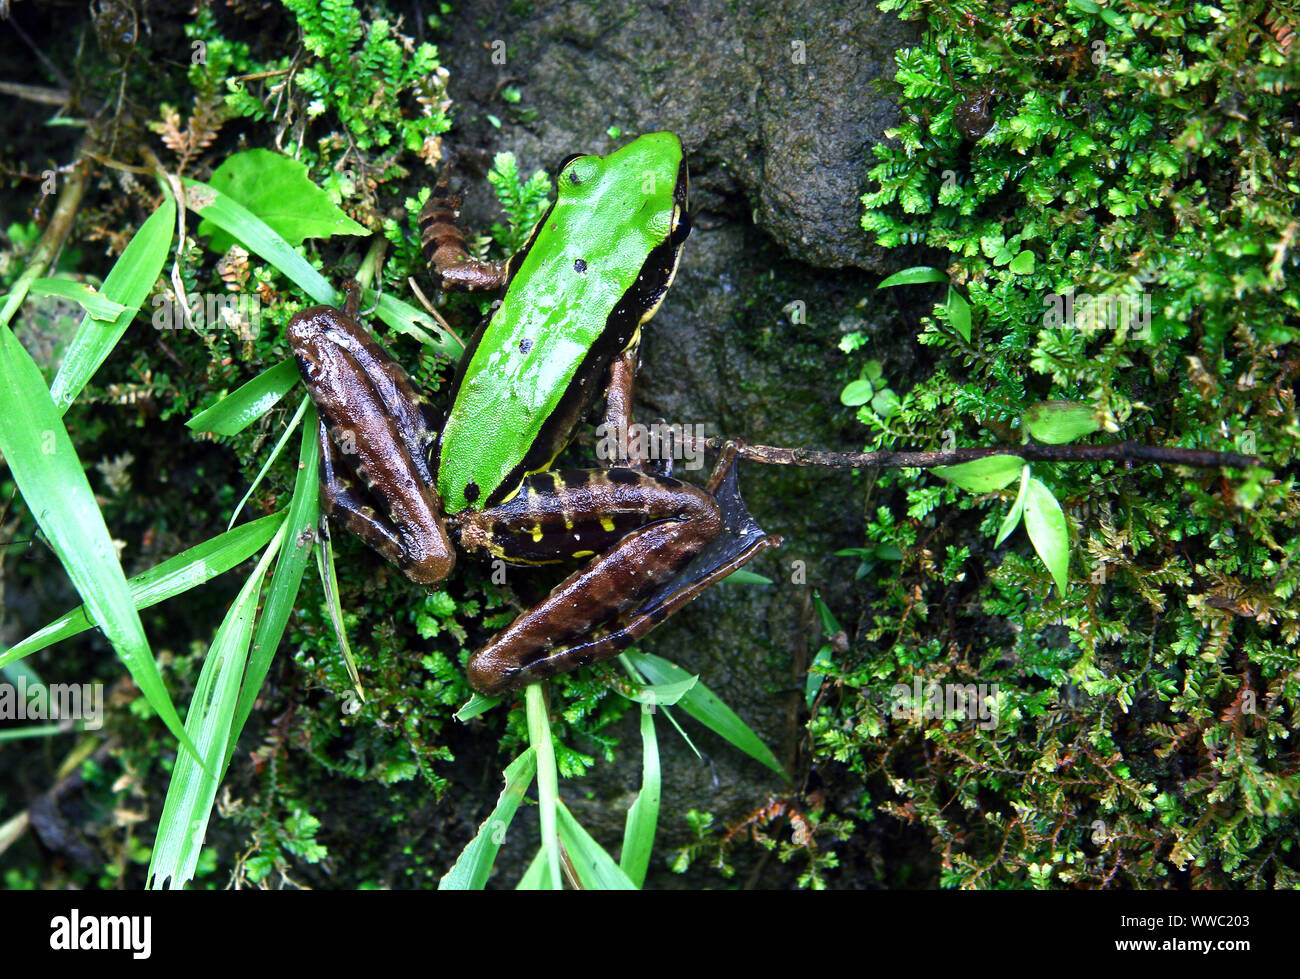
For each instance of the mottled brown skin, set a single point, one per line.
(372, 425)
(639, 529)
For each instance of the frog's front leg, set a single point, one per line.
(639, 578)
(618, 410)
(443, 244)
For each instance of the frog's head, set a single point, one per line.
(646, 180)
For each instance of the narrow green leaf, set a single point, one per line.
(282, 595)
(53, 483)
(643, 815)
(235, 412)
(186, 570)
(638, 677)
(703, 704)
(982, 475)
(270, 459)
(661, 695)
(96, 304)
(822, 662)
(128, 283)
(548, 787)
(330, 583)
(825, 655)
(1013, 516)
(472, 867)
(261, 239)
(416, 323)
(914, 276)
(476, 705)
(258, 237)
(743, 576)
(534, 878)
(1046, 525)
(595, 868)
(36, 731)
(830, 624)
(193, 788)
(1057, 422)
(959, 313)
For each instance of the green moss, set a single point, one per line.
(1145, 719)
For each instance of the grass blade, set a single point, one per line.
(260, 238)
(476, 705)
(472, 867)
(96, 304)
(193, 788)
(270, 459)
(50, 477)
(416, 323)
(548, 787)
(304, 511)
(534, 878)
(186, 570)
(127, 283)
(235, 412)
(38, 731)
(703, 705)
(641, 680)
(257, 236)
(330, 582)
(660, 695)
(595, 868)
(643, 815)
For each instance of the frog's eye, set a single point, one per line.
(577, 169)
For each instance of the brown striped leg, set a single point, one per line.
(622, 594)
(443, 244)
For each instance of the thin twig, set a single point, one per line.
(55, 233)
(1127, 452)
(36, 93)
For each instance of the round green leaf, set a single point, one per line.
(1057, 422)
(1022, 264)
(982, 475)
(856, 393)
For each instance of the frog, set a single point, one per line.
(414, 485)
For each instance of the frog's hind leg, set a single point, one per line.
(650, 573)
